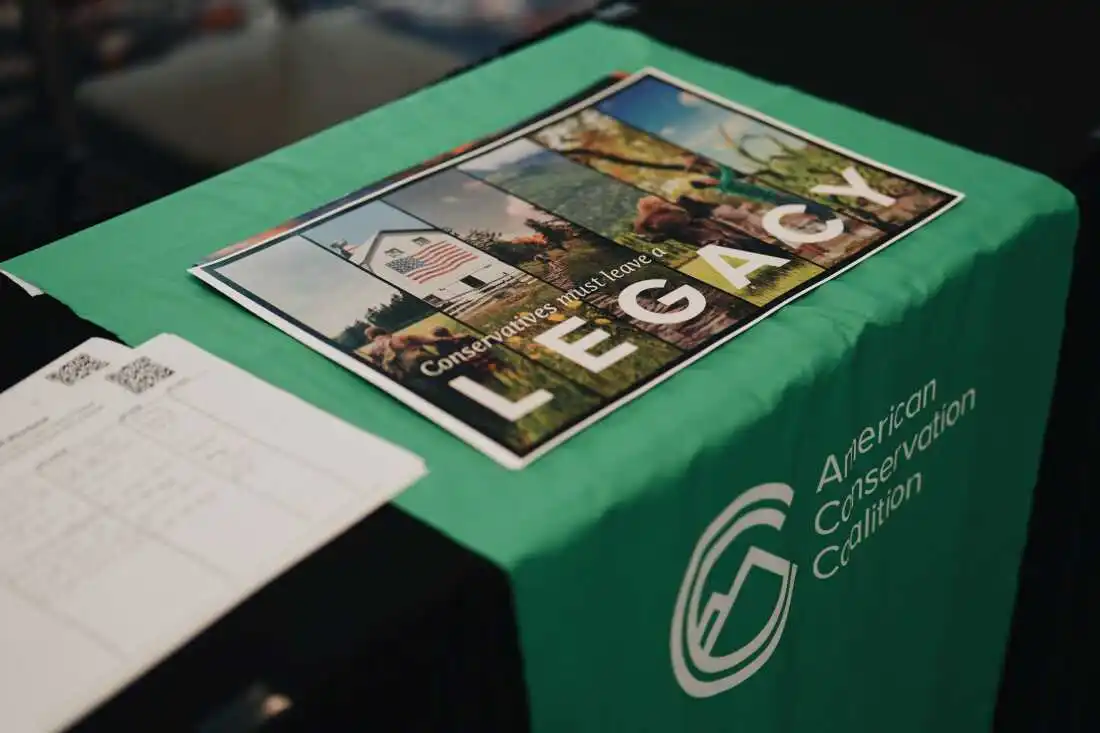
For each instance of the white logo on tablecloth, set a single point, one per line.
(699, 670)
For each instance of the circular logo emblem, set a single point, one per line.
(697, 622)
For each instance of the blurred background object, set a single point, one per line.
(108, 104)
(475, 28)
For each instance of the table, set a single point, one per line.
(596, 537)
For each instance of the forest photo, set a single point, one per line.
(562, 254)
(699, 185)
(765, 153)
(625, 215)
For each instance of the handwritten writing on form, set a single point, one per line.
(144, 493)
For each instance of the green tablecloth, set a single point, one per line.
(597, 535)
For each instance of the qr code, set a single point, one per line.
(140, 375)
(79, 367)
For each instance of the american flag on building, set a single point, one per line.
(432, 261)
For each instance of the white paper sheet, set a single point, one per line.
(31, 290)
(143, 498)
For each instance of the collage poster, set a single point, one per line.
(518, 291)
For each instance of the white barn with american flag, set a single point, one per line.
(433, 265)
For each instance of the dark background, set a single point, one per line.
(82, 84)
(106, 104)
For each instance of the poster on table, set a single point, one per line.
(518, 291)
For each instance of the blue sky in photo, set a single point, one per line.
(520, 150)
(458, 201)
(692, 122)
(359, 225)
(314, 287)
